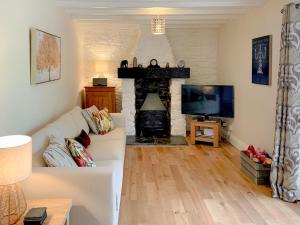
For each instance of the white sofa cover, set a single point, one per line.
(96, 192)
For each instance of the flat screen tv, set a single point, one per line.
(208, 100)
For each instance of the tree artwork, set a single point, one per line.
(48, 54)
(45, 57)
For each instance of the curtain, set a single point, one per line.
(285, 169)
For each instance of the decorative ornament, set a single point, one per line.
(181, 64)
(124, 64)
(153, 64)
(134, 64)
(140, 66)
(168, 65)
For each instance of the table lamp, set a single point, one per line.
(15, 166)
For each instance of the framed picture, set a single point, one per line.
(45, 55)
(261, 60)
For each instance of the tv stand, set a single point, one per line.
(197, 134)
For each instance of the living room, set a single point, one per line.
(174, 76)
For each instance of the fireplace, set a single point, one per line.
(152, 103)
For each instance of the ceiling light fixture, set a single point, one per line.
(158, 25)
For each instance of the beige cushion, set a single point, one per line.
(66, 125)
(79, 120)
(115, 134)
(108, 147)
(88, 115)
(57, 155)
(107, 150)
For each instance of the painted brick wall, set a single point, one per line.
(105, 45)
(199, 49)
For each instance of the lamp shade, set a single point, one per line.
(158, 25)
(15, 159)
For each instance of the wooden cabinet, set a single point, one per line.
(100, 97)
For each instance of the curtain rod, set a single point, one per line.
(297, 6)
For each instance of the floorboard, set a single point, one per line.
(195, 185)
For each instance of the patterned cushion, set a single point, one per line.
(81, 156)
(57, 155)
(103, 121)
(88, 115)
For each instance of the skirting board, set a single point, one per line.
(236, 142)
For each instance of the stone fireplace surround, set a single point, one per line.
(176, 78)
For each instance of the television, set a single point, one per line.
(208, 100)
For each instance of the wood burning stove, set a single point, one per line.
(152, 107)
(152, 123)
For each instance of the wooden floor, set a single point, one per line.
(195, 185)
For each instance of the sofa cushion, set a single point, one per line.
(40, 140)
(103, 121)
(83, 139)
(107, 149)
(67, 126)
(115, 134)
(57, 155)
(79, 120)
(80, 154)
(88, 115)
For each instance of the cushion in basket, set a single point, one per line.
(57, 155)
(79, 153)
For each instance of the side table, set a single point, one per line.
(58, 210)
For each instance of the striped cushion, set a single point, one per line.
(88, 115)
(57, 155)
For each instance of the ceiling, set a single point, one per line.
(176, 12)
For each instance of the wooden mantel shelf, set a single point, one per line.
(154, 73)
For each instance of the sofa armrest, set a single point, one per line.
(119, 119)
(91, 189)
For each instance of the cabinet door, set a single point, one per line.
(101, 100)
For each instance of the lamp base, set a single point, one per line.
(12, 204)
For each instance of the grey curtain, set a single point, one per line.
(286, 157)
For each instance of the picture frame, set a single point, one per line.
(262, 60)
(45, 57)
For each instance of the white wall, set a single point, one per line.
(25, 107)
(198, 47)
(106, 44)
(254, 121)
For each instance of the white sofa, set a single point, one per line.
(96, 192)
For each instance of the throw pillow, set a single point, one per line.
(81, 156)
(83, 139)
(88, 115)
(103, 121)
(57, 155)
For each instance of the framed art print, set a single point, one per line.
(45, 52)
(261, 60)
